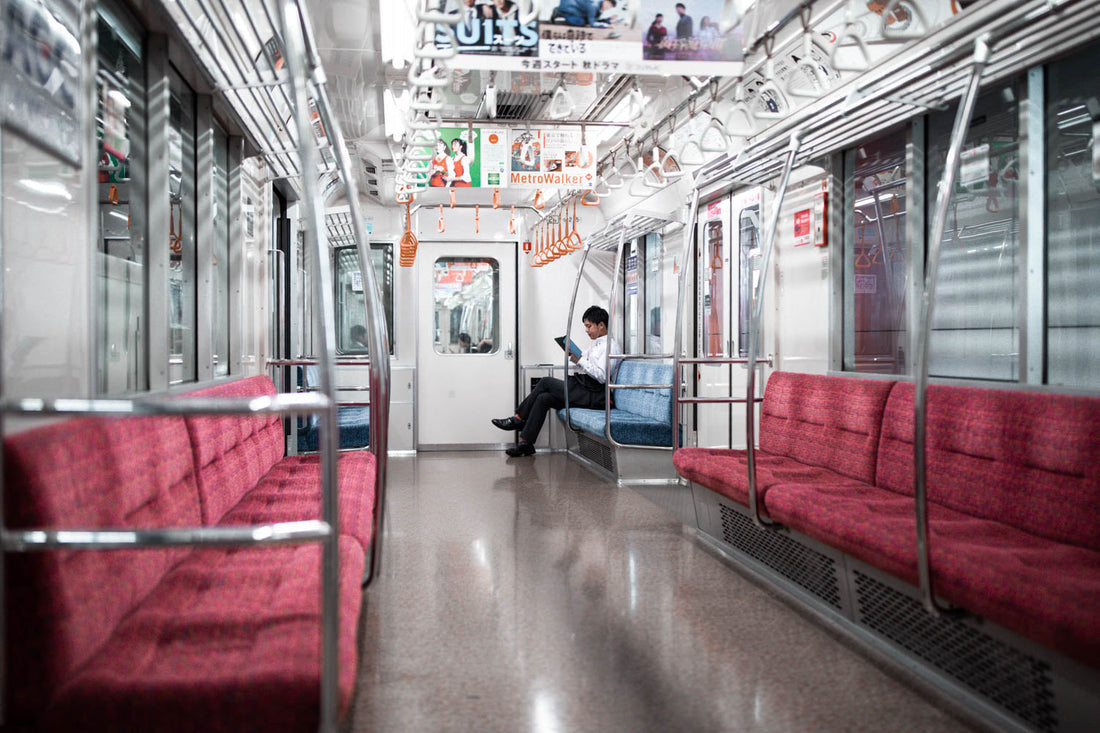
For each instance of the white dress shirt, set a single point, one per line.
(594, 360)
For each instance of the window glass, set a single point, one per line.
(713, 290)
(632, 300)
(220, 263)
(121, 360)
(182, 339)
(975, 326)
(748, 233)
(876, 258)
(465, 293)
(652, 249)
(1073, 215)
(351, 312)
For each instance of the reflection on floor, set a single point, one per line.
(528, 594)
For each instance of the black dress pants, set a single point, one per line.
(549, 394)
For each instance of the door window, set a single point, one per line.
(465, 298)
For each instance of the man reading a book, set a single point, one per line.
(586, 386)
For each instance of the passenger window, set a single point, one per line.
(876, 258)
(466, 295)
(1073, 218)
(976, 322)
(351, 313)
(713, 290)
(182, 339)
(632, 314)
(220, 264)
(121, 354)
(749, 245)
(652, 283)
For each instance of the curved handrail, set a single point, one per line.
(920, 365)
(297, 64)
(677, 341)
(754, 330)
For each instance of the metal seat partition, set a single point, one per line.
(240, 83)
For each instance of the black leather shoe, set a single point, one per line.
(521, 449)
(507, 423)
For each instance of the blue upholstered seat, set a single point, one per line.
(353, 420)
(640, 416)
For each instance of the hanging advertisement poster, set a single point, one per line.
(490, 28)
(466, 157)
(40, 65)
(549, 159)
(603, 36)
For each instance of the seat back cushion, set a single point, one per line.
(831, 422)
(1027, 459)
(655, 404)
(88, 473)
(232, 453)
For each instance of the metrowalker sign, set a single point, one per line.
(549, 180)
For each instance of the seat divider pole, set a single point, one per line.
(928, 297)
(754, 330)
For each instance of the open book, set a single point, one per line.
(576, 350)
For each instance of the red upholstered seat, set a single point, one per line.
(812, 429)
(1027, 459)
(831, 422)
(291, 491)
(61, 606)
(175, 639)
(1045, 590)
(725, 472)
(229, 641)
(232, 453)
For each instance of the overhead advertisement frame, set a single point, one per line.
(609, 36)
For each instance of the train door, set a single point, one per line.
(713, 335)
(466, 343)
(727, 248)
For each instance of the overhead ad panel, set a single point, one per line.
(612, 36)
(483, 157)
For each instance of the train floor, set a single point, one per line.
(528, 594)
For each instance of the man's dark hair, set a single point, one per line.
(658, 17)
(595, 314)
(463, 338)
(681, 5)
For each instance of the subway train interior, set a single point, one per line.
(550, 365)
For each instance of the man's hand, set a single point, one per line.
(573, 358)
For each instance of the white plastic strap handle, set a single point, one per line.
(914, 30)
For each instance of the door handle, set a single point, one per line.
(509, 352)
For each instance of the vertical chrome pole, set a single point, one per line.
(568, 322)
(754, 330)
(677, 341)
(928, 299)
(611, 303)
(377, 335)
(323, 303)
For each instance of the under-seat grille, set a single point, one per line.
(807, 568)
(595, 451)
(1014, 680)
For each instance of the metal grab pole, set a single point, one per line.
(324, 303)
(754, 331)
(677, 329)
(377, 336)
(611, 319)
(939, 223)
(569, 320)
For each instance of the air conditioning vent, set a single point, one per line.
(1016, 681)
(807, 568)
